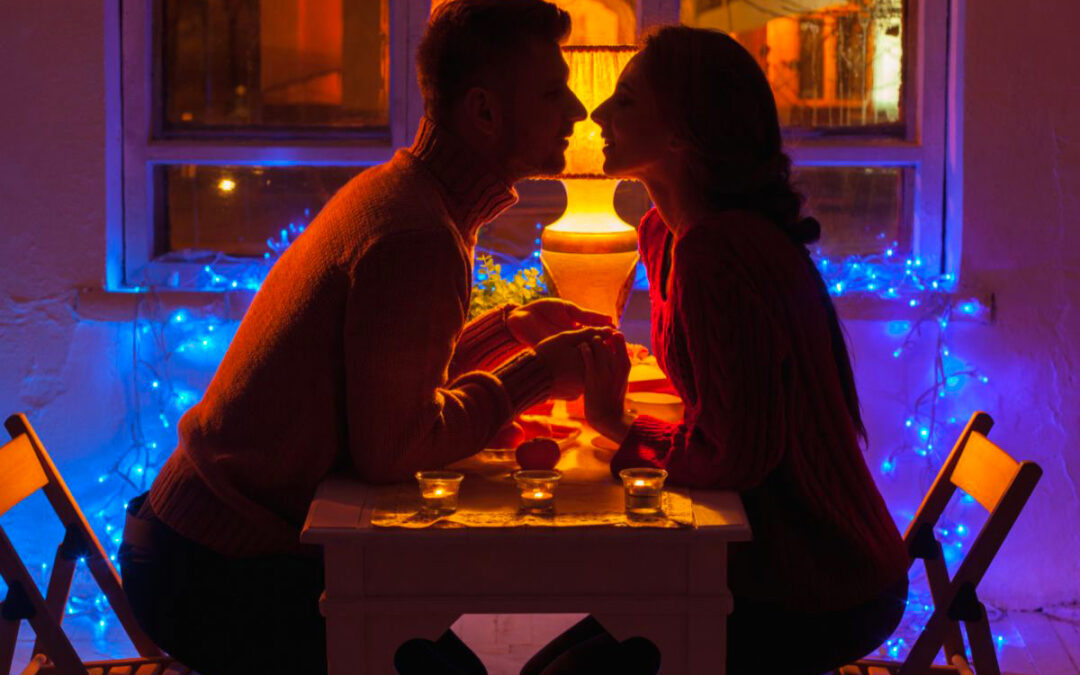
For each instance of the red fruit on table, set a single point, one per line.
(508, 437)
(539, 453)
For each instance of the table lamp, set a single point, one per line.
(590, 255)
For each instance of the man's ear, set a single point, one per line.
(484, 111)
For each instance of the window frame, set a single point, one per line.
(146, 147)
(930, 87)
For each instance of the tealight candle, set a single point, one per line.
(536, 491)
(439, 491)
(643, 489)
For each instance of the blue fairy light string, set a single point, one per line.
(176, 353)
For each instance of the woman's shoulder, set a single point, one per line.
(740, 251)
(742, 235)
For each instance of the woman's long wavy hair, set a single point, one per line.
(716, 98)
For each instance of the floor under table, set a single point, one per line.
(1036, 643)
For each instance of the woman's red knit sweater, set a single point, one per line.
(741, 330)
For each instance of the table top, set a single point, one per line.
(343, 506)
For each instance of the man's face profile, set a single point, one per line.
(540, 111)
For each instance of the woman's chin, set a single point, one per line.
(613, 170)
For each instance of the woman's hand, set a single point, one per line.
(531, 324)
(562, 356)
(607, 368)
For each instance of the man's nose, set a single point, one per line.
(577, 109)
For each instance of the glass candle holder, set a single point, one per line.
(439, 491)
(643, 489)
(536, 491)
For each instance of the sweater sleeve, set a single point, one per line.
(730, 435)
(404, 413)
(485, 343)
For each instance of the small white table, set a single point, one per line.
(386, 585)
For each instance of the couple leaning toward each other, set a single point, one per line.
(356, 356)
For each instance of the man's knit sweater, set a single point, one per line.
(355, 356)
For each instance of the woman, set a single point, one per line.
(744, 328)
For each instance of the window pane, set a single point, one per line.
(860, 208)
(273, 64)
(595, 22)
(831, 64)
(235, 209)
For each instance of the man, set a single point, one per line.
(356, 356)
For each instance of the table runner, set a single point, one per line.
(491, 500)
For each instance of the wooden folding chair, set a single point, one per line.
(1002, 486)
(26, 467)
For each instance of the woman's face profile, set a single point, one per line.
(637, 141)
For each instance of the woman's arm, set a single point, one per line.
(734, 421)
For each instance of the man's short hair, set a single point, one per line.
(467, 40)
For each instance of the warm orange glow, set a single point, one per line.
(590, 254)
(589, 207)
(226, 185)
(594, 22)
(594, 72)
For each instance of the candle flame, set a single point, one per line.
(538, 494)
(639, 482)
(439, 492)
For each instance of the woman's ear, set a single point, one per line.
(483, 110)
(677, 143)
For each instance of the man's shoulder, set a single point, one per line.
(390, 197)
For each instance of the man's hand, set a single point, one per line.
(531, 324)
(562, 357)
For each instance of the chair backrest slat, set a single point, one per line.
(984, 471)
(20, 472)
(935, 501)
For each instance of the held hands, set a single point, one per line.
(531, 324)
(607, 367)
(563, 359)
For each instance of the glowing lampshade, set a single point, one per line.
(590, 254)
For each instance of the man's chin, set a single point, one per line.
(553, 165)
(611, 169)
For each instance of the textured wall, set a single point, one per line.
(1022, 241)
(1021, 185)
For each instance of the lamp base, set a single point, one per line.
(600, 282)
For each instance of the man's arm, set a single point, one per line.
(485, 342)
(403, 413)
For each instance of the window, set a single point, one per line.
(241, 117)
(861, 88)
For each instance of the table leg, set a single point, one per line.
(364, 642)
(690, 644)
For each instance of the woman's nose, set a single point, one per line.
(598, 114)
